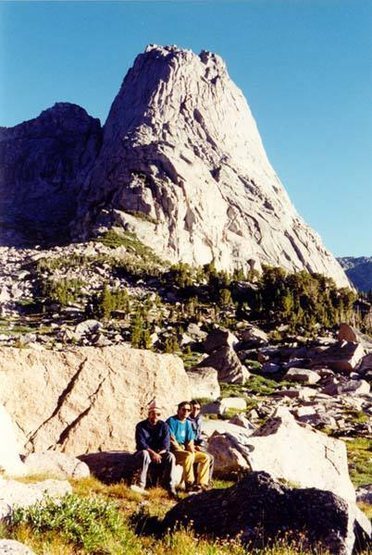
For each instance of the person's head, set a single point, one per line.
(154, 413)
(195, 408)
(183, 410)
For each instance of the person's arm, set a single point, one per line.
(189, 443)
(172, 438)
(198, 440)
(165, 438)
(141, 439)
(142, 444)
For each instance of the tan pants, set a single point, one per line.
(187, 460)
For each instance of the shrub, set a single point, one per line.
(63, 291)
(91, 524)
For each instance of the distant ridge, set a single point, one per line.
(359, 271)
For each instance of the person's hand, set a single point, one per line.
(155, 457)
(198, 448)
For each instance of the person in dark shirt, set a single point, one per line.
(196, 421)
(153, 448)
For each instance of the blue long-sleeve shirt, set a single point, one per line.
(152, 437)
(196, 424)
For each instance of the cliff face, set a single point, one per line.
(182, 148)
(42, 162)
(180, 162)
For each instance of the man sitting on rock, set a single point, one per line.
(196, 420)
(182, 445)
(153, 448)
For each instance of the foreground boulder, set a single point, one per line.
(286, 450)
(260, 510)
(89, 398)
(15, 494)
(58, 465)
(12, 547)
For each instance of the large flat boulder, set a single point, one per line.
(286, 450)
(89, 398)
(260, 509)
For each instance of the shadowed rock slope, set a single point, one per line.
(42, 162)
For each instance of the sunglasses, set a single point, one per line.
(185, 409)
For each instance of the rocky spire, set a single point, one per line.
(182, 148)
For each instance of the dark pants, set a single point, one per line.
(166, 468)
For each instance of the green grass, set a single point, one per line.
(360, 461)
(130, 241)
(99, 519)
(257, 385)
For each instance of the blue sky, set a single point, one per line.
(305, 67)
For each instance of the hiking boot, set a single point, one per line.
(192, 489)
(206, 487)
(189, 486)
(172, 494)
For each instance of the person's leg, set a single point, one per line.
(211, 466)
(203, 461)
(169, 474)
(144, 460)
(168, 463)
(186, 459)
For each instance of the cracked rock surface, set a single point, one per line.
(86, 399)
(182, 148)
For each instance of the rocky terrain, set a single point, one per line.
(273, 398)
(179, 162)
(359, 271)
(92, 331)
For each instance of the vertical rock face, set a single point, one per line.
(42, 162)
(182, 148)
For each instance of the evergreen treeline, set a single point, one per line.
(300, 300)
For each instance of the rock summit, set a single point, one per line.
(179, 162)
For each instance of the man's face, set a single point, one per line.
(154, 416)
(195, 410)
(183, 412)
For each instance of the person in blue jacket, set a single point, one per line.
(196, 420)
(153, 448)
(182, 445)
